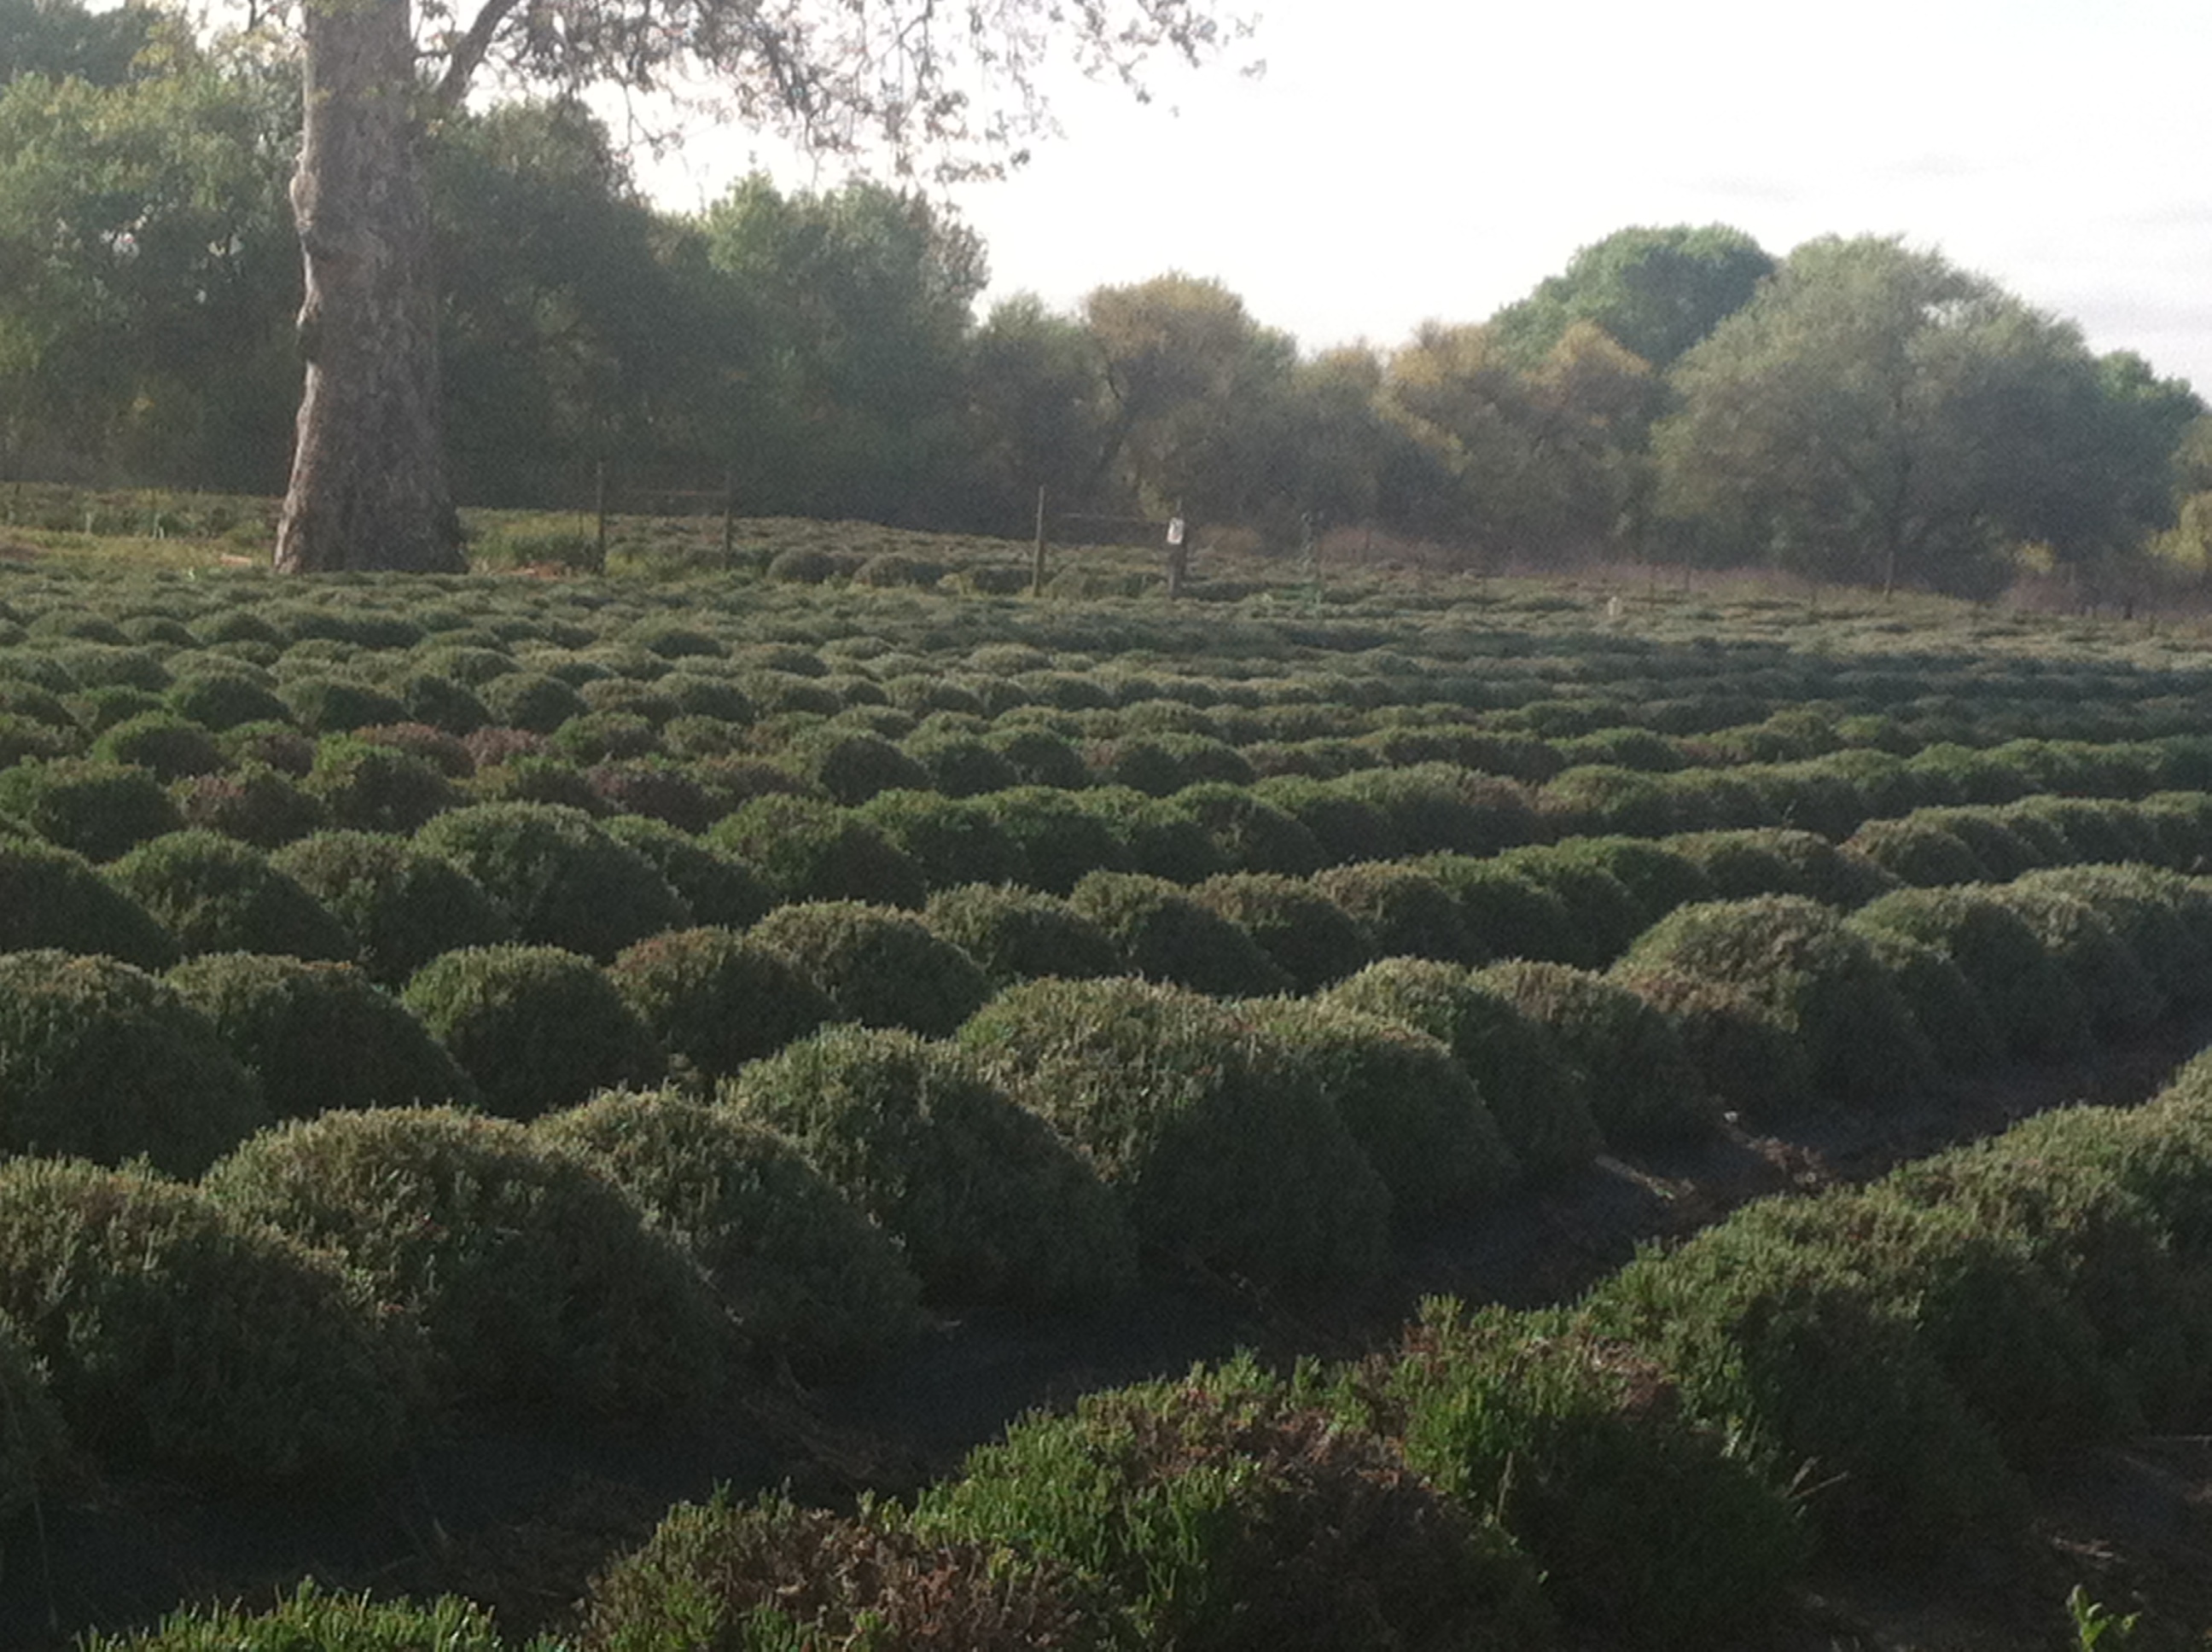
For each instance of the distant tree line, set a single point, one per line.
(1859, 410)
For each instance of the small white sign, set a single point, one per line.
(1175, 529)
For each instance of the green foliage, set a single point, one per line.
(809, 850)
(99, 810)
(2037, 1007)
(337, 705)
(312, 1620)
(1651, 1527)
(851, 767)
(1750, 1060)
(716, 999)
(1541, 1101)
(377, 787)
(811, 1284)
(987, 1204)
(50, 897)
(318, 1036)
(1167, 935)
(557, 877)
(402, 906)
(770, 1576)
(879, 967)
(718, 888)
(2158, 915)
(31, 1431)
(215, 894)
(253, 802)
(179, 1334)
(1220, 1148)
(164, 744)
(1945, 1006)
(101, 1060)
(1310, 938)
(1641, 1086)
(1920, 852)
(534, 1278)
(530, 700)
(535, 1028)
(1060, 840)
(2118, 993)
(1015, 934)
(1408, 1104)
(1407, 912)
(1507, 913)
(951, 839)
(224, 699)
(1816, 978)
(1222, 1512)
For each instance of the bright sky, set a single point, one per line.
(1402, 160)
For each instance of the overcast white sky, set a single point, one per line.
(1407, 159)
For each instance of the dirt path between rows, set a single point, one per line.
(520, 1511)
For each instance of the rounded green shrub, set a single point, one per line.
(253, 802)
(312, 1620)
(2037, 1007)
(1348, 829)
(1643, 1086)
(987, 1203)
(530, 700)
(31, 1430)
(1017, 934)
(654, 788)
(1507, 913)
(1945, 1006)
(1251, 834)
(533, 1277)
(557, 877)
(1167, 935)
(1040, 757)
(318, 1036)
(1222, 1511)
(2118, 993)
(1408, 1104)
(1657, 877)
(223, 700)
(2156, 913)
(2003, 853)
(852, 766)
(812, 1285)
(163, 744)
(961, 765)
(400, 905)
(215, 894)
(951, 839)
(1604, 919)
(1060, 840)
(1435, 808)
(99, 1060)
(50, 897)
(1752, 1062)
(177, 1333)
(715, 1000)
(1650, 1528)
(1920, 852)
(1816, 978)
(1308, 937)
(1407, 912)
(880, 967)
(335, 705)
(1220, 1148)
(727, 1577)
(536, 1028)
(718, 888)
(99, 810)
(1540, 1100)
(371, 787)
(809, 850)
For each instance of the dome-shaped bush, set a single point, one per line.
(880, 967)
(2036, 1006)
(99, 1060)
(1434, 807)
(1944, 1004)
(164, 744)
(1920, 852)
(50, 897)
(1604, 919)
(216, 894)
(809, 850)
(1220, 1148)
(987, 1202)
(1540, 1100)
(716, 999)
(852, 766)
(1658, 878)
(1017, 934)
(1310, 938)
(1752, 1062)
(225, 699)
(961, 765)
(1407, 1103)
(1642, 1084)
(654, 788)
(443, 701)
(2160, 915)
(951, 839)
(373, 787)
(1348, 829)
(1507, 913)
(723, 1577)
(318, 1036)
(99, 810)
(178, 1333)
(2118, 993)
(1169, 936)
(558, 878)
(313, 1621)
(1407, 912)
(1060, 840)
(401, 906)
(530, 700)
(253, 803)
(31, 1430)
(812, 1284)
(1795, 958)
(1223, 1512)
(334, 704)
(536, 1028)
(532, 1277)
(1251, 834)
(1041, 758)
(719, 888)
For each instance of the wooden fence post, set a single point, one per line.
(1036, 556)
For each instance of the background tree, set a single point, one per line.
(1037, 414)
(1654, 292)
(954, 86)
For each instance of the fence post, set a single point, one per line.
(600, 509)
(729, 519)
(1037, 557)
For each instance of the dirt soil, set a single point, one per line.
(518, 1512)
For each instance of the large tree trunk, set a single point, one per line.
(369, 474)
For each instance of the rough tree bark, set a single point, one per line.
(368, 485)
